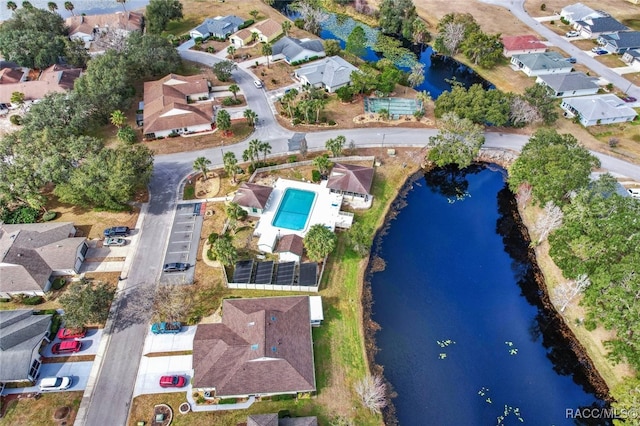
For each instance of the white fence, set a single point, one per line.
(274, 287)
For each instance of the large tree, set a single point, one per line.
(86, 303)
(554, 165)
(486, 107)
(452, 29)
(160, 12)
(458, 142)
(539, 97)
(336, 145)
(230, 165)
(223, 69)
(223, 251)
(357, 41)
(319, 242)
(223, 120)
(397, 17)
(150, 56)
(483, 49)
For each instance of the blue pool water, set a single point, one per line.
(294, 209)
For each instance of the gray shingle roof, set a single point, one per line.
(542, 61)
(291, 47)
(569, 81)
(602, 24)
(21, 333)
(263, 420)
(599, 107)
(332, 72)
(579, 11)
(623, 40)
(220, 26)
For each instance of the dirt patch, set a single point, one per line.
(208, 188)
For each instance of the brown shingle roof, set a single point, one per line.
(244, 34)
(129, 21)
(56, 78)
(252, 195)
(268, 28)
(351, 178)
(263, 345)
(10, 75)
(291, 243)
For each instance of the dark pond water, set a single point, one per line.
(464, 339)
(89, 7)
(439, 71)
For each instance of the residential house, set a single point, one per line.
(290, 248)
(579, 12)
(253, 197)
(170, 108)
(535, 64)
(620, 42)
(32, 254)
(351, 180)
(329, 73)
(55, 79)
(88, 28)
(518, 45)
(570, 84)
(220, 27)
(631, 57)
(262, 347)
(294, 50)
(267, 30)
(598, 109)
(21, 335)
(273, 420)
(594, 27)
(242, 38)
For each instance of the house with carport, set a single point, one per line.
(241, 38)
(22, 334)
(620, 42)
(294, 50)
(173, 105)
(535, 64)
(570, 84)
(521, 44)
(598, 109)
(267, 30)
(329, 73)
(253, 198)
(579, 12)
(262, 347)
(219, 27)
(33, 254)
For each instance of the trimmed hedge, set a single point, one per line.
(245, 24)
(32, 300)
(315, 175)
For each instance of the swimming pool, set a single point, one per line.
(293, 211)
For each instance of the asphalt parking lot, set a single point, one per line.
(183, 242)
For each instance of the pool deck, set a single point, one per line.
(325, 210)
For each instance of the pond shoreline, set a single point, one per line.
(517, 242)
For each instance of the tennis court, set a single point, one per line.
(397, 107)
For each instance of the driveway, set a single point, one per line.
(183, 341)
(152, 368)
(78, 371)
(90, 344)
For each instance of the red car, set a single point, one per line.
(66, 347)
(172, 381)
(71, 333)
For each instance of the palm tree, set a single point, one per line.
(230, 165)
(27, 5)
(254, 148)
(269, 2)
(251, 117)
(231, 50)
(267, 50)
(12, 6)
(118, 118)
(53, 6)
(254, 36)
(201, 164)
(223, 121)
(69, 6)
(286, 26)
(322, 163)
(122, 2)
(424, 97)
(319, 104)
(265, 148)
(234, 89)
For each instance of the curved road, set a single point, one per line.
(110, 391)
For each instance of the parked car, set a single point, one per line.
(175, 267)
(172, 381)
(49, 384)
(634, 192)
(67, 347)
(571, 60)
(599, 51)
(114, 241)
(71, 333)
(166, 327)
(572, 34)
(257, 83)
(629, 99)
(117, 231)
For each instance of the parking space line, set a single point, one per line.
(179, 251)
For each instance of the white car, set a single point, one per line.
(634, 192)
(114, 241)
(572, 34)
(49, 384)
(258, 84)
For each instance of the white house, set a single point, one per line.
(570, 84)
(252, 198)
(521, 44)
(535, 64)
(631, 57)
(295, 50)
(598, 109)
(577, 12)
(329, 73)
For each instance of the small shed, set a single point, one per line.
(290, 248)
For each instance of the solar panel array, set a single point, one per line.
(285, 273)
(243, 271)
(264, 273)
(308, 274)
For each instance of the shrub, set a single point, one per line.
(418, 114)
(58, 283)
(636, 138)
(211, 49)
(185, 37)
(552, 22)
(292, 159)
(23, 214)
(564, 21)
(315, 175)
(245, 24)
(543, 6)
(32, 300)
(299, 23)
(127, 135)
(56, 321)
(16, 120)
(286, 397)
(228, 401)
(274, 81)
(229, 101)
(212, 237)
(332, 123)
(198, 40)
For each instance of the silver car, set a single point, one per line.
(114, 242)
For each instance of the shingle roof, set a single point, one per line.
(56, 78)
(244, 34)
(291, 243)
(600, 107)
(272, 420)
(578, 11)
(291, 47)
(29, 253)
(263, 345)
(542, 61)
(522, 42)
(268, 28)
(602, 24)
(351, 178)
(129, 21)
(11, 75)
(299, 421)
(569, 81)
(219, 26)
(623, 39)
(252, 195)
(332, 72)
(20, 334)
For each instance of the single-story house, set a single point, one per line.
(631, 56)
(219, 27)
(87, 28)
(55, 79)
(290, 248)
(594, 27)
(262, 347)
(21, 335)
(169, 106)
(241, 38)
(252, 197)
(351, 180)
(579, 12)
(32, 254)
(295, 50)
(598, 109)
(570, 84)
(620, 42)
(329, 73)
(518, 45)
(535, 64)
(267, 30)
(273, 420)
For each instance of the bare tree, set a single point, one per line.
(372, 391)
(522, 112)
(524, 195)
(452, 36)
(550, 220)
(564, 293)
(171, 303)
(311, 15)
